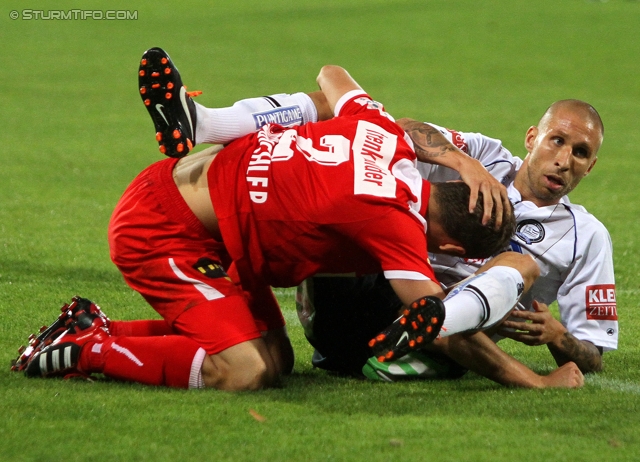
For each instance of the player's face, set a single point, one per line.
(562, 151)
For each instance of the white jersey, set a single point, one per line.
(572, 248)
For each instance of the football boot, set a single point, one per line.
(47, 335)
(418, 325)
(60, 358)
(169, 104)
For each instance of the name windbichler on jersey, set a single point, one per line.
(373, 149)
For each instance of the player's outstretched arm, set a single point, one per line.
(541, 328)
(335, 81)
(585, 354)
(433, 148)
(480, 354)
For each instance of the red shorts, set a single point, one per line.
(166, 254)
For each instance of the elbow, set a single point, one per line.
(593, 366)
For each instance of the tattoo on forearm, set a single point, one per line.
(428, 141)
(586, 355)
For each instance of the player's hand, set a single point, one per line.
(537, 327)
(433, 147)
(494, 194)
(566, 376)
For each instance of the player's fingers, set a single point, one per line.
(473, 200)
(499, 207)
(512, 321)
(512, 325)
(506, 203)
(539, 306)
(517, 336)
(526, 339)
(575, 373)
(524, 327)
(522, 314)
(487, 202)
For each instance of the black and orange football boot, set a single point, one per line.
(169, 103)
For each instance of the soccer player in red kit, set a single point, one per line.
(203, 238)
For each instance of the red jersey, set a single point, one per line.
(340, 196)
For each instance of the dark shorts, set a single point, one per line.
(341, 314)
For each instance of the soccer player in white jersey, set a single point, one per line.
(572, 248)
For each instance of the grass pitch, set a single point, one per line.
(75, 134)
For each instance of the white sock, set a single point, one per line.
(482, 300)
(195, 377)
(221, 126)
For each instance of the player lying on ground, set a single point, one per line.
(575, 256)
(203, 239)
(571, 246)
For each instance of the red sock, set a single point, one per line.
(141, 328)
(172, 360)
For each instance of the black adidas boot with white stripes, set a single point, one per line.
(61, 357)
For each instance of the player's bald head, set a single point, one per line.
(583, 109)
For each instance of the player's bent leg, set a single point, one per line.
(141, 328)
(223, 125)
(477, 303)
(482, 301)
(321, 104)
(86, 347)
(487, 297)
(524, 264)
(245, 366)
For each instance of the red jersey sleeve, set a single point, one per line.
(357, 102)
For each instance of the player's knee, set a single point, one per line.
(249, 372)
(525, 264)
(253, 374)
(529, 269)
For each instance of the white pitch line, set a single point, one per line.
(629, 291)
(613, 384)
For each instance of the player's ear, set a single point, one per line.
(591, 166)
(452, 249)
(530, 137)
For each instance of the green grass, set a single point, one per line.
(74, 134)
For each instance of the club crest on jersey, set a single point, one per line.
(601, 302)
(286, 116)
(210, 268)
(530, 231)
(369, 103)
